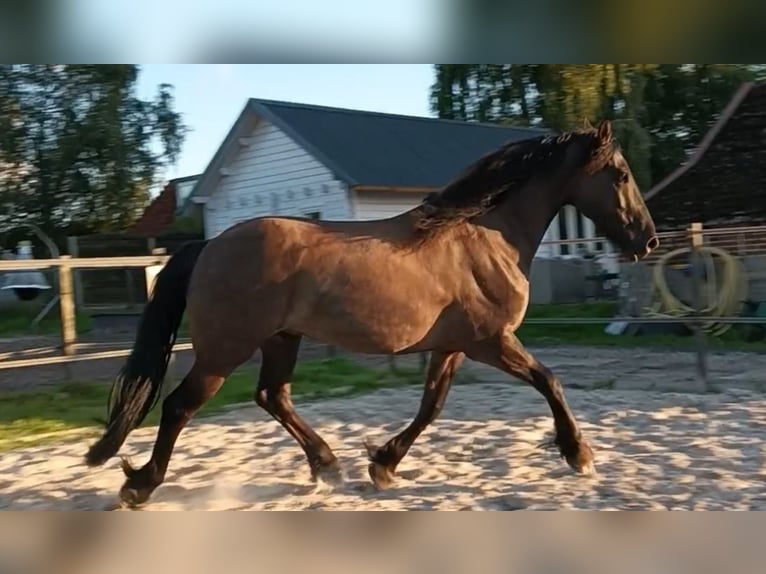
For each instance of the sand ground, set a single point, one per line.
(656, 448)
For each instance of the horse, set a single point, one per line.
(449, 276)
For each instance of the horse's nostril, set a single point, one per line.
(653, 243)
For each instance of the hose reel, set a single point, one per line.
(26, 284)
(723, 292)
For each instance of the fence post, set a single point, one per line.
(697, 239)
(73, 246)
(150, 273)
(67, 306)
(150, 276)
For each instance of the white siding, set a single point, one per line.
(273, 175)
(568, 215)
(547, 250)
(382, 205)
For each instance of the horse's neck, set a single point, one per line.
(524, 217)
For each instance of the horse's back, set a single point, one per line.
(300, 254)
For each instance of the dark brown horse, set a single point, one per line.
(450, 276)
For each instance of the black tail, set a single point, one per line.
(137, 387)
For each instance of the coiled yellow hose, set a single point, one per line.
(720, 296)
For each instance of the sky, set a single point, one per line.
(179, 31)
(210, 97)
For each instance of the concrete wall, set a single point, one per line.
(756, 270)
(558, 280)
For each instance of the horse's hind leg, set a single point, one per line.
(506, 353)
(178, 408)
(385, 459)
(279, 355)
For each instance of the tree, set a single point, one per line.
(682, 101)
(660, 111)
(78, 147)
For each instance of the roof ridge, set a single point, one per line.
(184, 178)
(354, 111)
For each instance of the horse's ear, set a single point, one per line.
(586, 124)
(605, 131)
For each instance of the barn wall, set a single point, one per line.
(273, 175)
(382, 205)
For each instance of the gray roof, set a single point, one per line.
(376, 149)
(371, 148)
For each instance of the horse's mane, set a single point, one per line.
(481, 187)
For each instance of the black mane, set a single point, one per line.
(482, 186)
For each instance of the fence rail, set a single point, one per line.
(75, 358)
(65, 266)
(686, 319)
(83, 262)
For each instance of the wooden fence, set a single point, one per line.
(65, 267)
(116, 287)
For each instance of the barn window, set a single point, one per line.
(314, 215)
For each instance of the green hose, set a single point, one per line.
(721, 296)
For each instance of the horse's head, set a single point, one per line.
(606, 192)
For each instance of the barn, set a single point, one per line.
(305, 160)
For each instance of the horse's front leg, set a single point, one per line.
(385, 459)
(506, 353)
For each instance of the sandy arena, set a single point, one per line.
(655, 449)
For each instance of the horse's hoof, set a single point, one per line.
(381, 476)
(588, 469)
(371, 449)
(330, 474)
(581, 461)
(133, 497)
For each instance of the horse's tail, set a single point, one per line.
(137, 386)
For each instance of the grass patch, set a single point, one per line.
(594, 335)
(34, 418)
(183, 328)
(566, 333)
(607, 384)
(16, 320)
